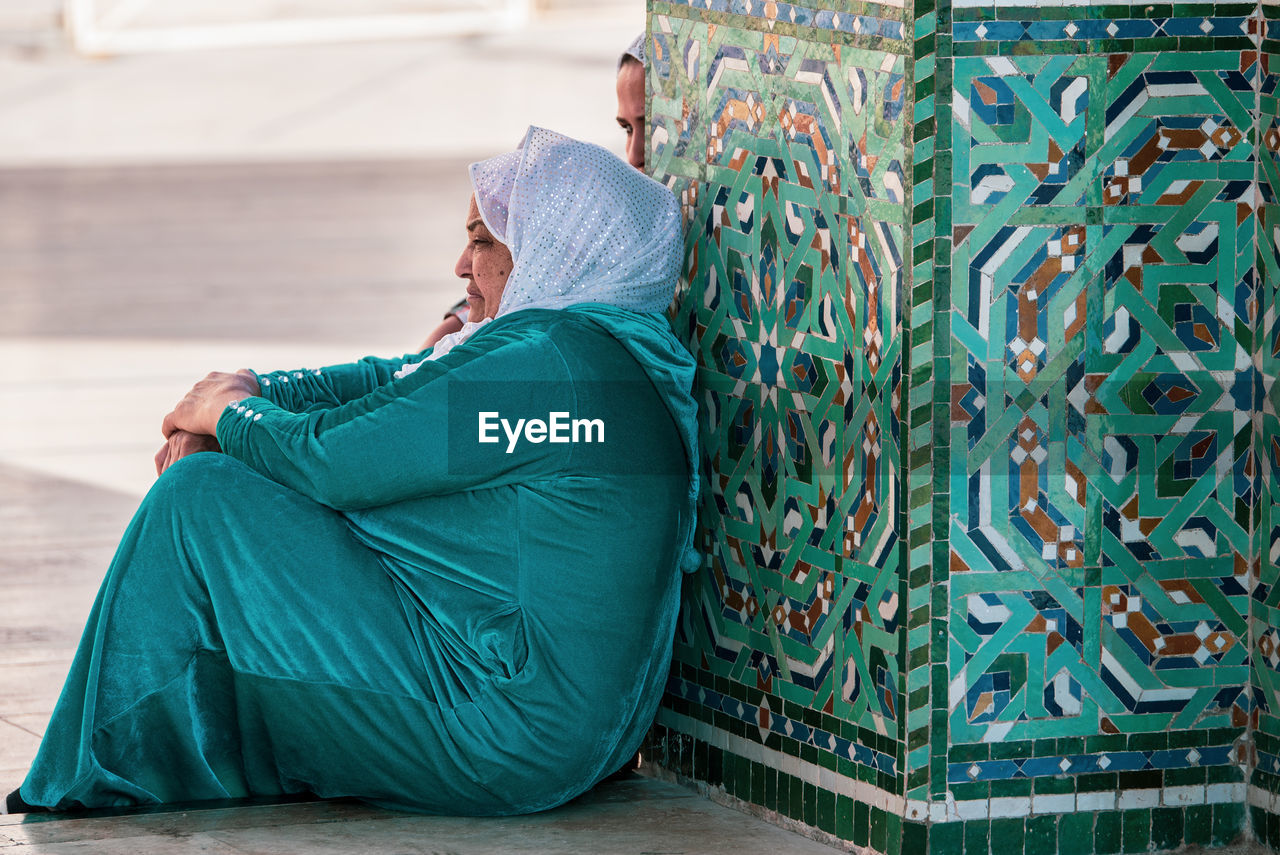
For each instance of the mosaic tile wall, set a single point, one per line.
(1264, 803)
(1102, 310)
(785, 134)
(984, 299)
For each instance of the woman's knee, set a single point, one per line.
(211, 478)
(203, 470)
(208, 487)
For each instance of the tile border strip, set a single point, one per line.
(1192, 757)
(951, 810)
(1044, 804)
(811, 773)
(1100, 30)
(856, 23)
(777, 722)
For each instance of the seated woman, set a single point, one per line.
(392, 584)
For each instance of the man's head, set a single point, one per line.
(631, 101)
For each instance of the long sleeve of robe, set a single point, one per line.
(359, 597)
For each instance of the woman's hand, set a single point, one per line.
(199, 410)
(179, 445)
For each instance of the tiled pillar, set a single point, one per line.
(1102, 305)
(786, 138)
(1264, 792)
(985, 306)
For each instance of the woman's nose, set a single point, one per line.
(462, 269)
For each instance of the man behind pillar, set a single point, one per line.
(631, 101)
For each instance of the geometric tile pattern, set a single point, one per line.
(788, 154)
(1103, 305)
(1264, 641)
(984, 303)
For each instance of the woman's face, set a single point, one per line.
(485, 264)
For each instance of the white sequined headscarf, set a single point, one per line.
(582, 226)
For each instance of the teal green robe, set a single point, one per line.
(361, 598)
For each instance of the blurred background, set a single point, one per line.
(190, 185)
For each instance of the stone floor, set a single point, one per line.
(639, 816)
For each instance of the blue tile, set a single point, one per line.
(1036, 767)
(1131, 28)
(1005, 31)
(1046, 30)
(1184, 27)
(1091, 30)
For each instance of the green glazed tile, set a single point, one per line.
(1107, 833)
(977, 837)
(1166, 827)
(1137, 830)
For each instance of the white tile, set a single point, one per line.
(1010, 806)
(1181, 796)
(1089, 802)
(1045, 803)
(1216, 794)
(1260, 798)
(972, 809)
(827, 779)
(1130, 799)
